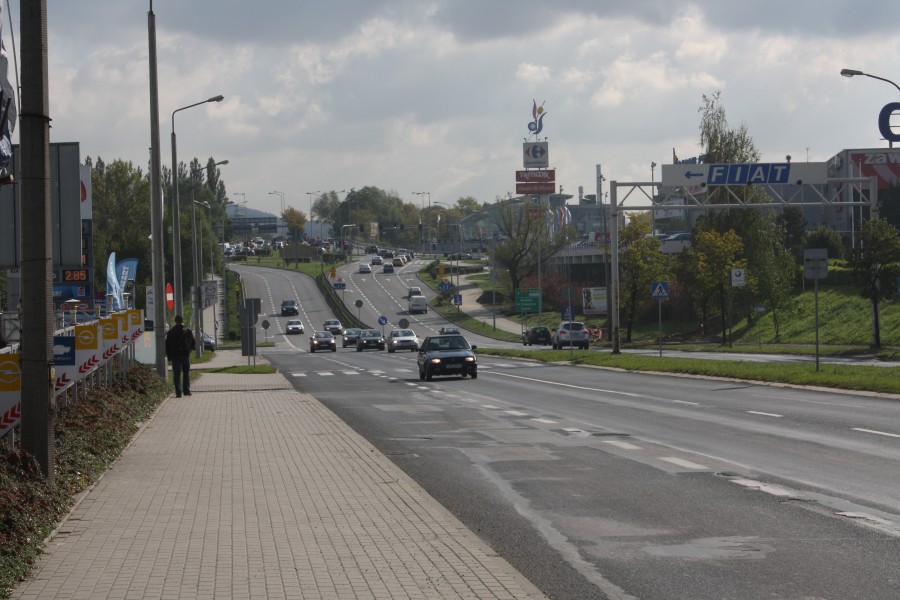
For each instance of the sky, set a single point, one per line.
(436, 96)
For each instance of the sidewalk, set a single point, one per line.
(249, 489)
(470, 293)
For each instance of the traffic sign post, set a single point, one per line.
(528, 300)
(382, 320)
(659, 290)
(815, 267)
(457, 299)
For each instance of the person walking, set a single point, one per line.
(179, 345)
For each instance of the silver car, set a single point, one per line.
(403, 339)
(571, 333)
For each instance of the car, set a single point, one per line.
(414, 291)
(364, 268)
(351, 335)
(537, 335)
(402, 339)
(570, 333)
(290, 307)
(333, 326)
(417, 304)
(370, 338)
(208, 342)
(388, 268)
(371, 249)
(322, 340)
(293, 326)
(447, 355)
(449, 330)
(397, 262)
(377, 260)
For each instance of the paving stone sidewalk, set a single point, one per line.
(249, 489)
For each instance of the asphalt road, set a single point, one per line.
(603, 484)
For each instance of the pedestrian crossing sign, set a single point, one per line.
(660, 290)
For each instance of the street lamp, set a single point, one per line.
(176, 219)
(853, 72)
(429, 212)
(652, 195)
(281, 215)
(197, 262)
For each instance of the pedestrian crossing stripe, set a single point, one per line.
(298, 374)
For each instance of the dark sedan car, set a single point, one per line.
(322, 340)
(537, 335)
(290, 308)
(351, 335)
(447, 355)
(370, 338)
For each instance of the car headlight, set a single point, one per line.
(435, 361)
(470, 359)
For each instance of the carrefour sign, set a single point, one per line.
(884, 121)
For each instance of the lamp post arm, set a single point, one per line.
(883, 79)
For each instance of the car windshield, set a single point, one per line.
(371, 333)
(351, 331)
(573, 326)
(293, 322)
(330, 323)
(403, 333)
(323, 334)
(448, 342)
(540, 330)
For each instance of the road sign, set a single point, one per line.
(659, 290)
(445, 287)
(738, 278)
(358, 304)
(457, 299)
(210, 292)
(744, 174)
(340, 285)
(528, 300)
(567, 313)
(404, 323)
(265, 324)
(382, 320)
(170, 297)
(815, 263)
(333, 272)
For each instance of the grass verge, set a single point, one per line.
(848, 377)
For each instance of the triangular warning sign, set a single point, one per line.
(660, 291)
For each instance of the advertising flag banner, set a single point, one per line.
(64, 362)
(10, 392)
(110, 331)
(112, 284)
(125, 270)
(88, 350)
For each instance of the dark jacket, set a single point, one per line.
(175, 345)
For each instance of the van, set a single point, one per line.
(418, 304)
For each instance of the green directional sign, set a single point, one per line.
(528, 300)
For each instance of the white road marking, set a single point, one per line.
(884, 433)
(350, 372)
(298, 374)
(490, 406)
(621, 444)
(516, 413)
(325, 373)
(547, 421)
(686, 402)
(775, 490)
(682, 463)
(765, 414)
(571, 429)
(569, 385)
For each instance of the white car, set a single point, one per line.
(364, 268)
(570, 333)
(414, 291)
(403, 339)
(293, 326)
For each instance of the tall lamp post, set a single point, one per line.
(198, 309)
(429, 212)
(176, 219)
(653, 195)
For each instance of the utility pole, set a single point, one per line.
(38, 400)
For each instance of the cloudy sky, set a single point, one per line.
(435, 96)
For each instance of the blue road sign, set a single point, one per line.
(744, 174)
(567, 313)
(457, 299)
(339, 285)
(445, 287)
(659, 290)
(382, 320)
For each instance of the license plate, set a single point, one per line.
(456, 366)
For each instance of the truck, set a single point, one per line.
(418, 304)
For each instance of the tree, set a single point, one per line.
(706, 267)
(876, 264)
(640, 263)
(528, 240)
(295, 221)
(823, 237)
